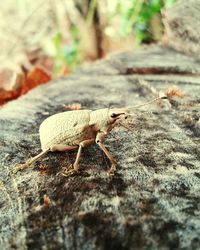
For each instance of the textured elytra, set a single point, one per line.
(70, 128)
(64, 128)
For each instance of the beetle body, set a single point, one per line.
(77, 129)
(68, 128)
(72, 127)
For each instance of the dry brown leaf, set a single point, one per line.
(46, 201)
(10, 85)
(35, 77)
(13, 84)
(174, 91)
(6, 96)
(73, 106)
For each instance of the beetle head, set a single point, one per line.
(117, 115)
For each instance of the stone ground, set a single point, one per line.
(153, 201)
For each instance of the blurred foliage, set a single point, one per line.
(67, 54)
(138, 16)
(138, 20)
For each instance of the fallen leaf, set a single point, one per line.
(46, 201)
(10, 84)
(174, 91)
(35, 77)
(73, 106)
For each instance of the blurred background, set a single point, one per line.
(44, 39)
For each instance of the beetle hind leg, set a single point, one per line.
(29, 162)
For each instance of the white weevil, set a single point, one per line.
(77, 129)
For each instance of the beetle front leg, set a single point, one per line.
(99, 140)
(78, 156)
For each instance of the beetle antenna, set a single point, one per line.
(146, 103)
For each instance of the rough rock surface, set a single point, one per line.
(182, 26)
(153, 201)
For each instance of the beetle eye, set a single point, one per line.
(113, 115)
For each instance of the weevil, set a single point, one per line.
(78, 129)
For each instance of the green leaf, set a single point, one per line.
(57, 41)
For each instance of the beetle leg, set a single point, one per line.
(29, 162)
(99, 140)
(78, 156)
(61, 147)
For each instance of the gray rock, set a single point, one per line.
(153, 201)
(182, 26)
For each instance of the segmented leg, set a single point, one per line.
(99, 140)
(78, 156)
(30, 161)
(61, 148)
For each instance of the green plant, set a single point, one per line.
(139, 20)
(67, 54)
(136, 16)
